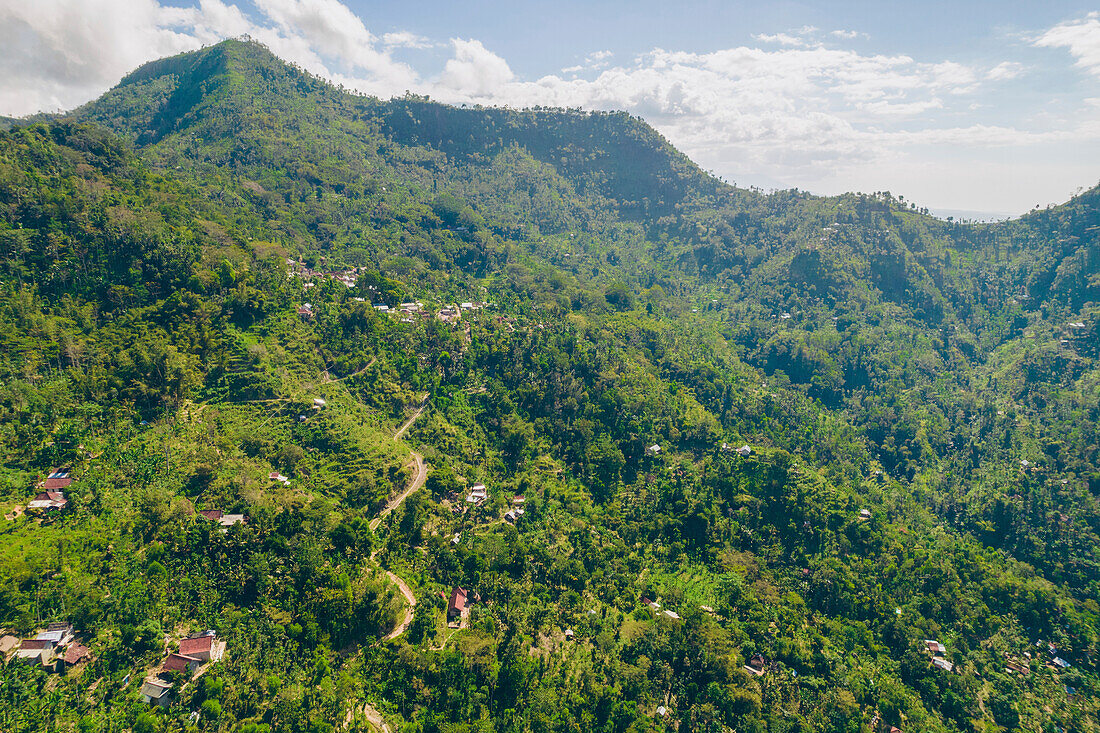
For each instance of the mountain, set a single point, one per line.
(918, 398)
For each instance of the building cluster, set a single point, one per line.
(1054, 659)
(406, 312)
(479, 494)
(518, 509)
(51, 493)
(938, 650)
(54, 648)
(452, 313)
(1073, 330)
(299, 269)
(190, 659)
(658, 611)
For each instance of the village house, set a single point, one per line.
(653, 450)
(941, 663)
(864, 514)
(305, 311)
(181, 663)
(36, 651)
(223, 520)
(47, 501)
(205, 647)
(744, 451)
(51, 492)
(756, 664)
(276, 476)
(228, 520)
(57, 480)
(8, 644)
(934, 647)
(60, 632)
(155, 692)
(75, 654)
(478, 494)
(456, 605)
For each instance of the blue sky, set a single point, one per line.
(970, 106)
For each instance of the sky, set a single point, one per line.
(966, 107)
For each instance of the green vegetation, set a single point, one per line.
(920, 397)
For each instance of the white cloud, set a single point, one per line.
(333, 31)
(1004, 71)
(781, 38)
(475, 71)
(847, 34)
(56, 53)
(405, 39)
(1081, 37)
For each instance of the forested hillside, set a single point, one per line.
(450, 420)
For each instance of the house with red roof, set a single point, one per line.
(457, 604)
(199, 647)
(182, 663)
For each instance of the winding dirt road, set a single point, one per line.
(374, 717)
(411, 599)
(414, 485)
(421, 470)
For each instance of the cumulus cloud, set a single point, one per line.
(1004, 71)
(58, 53)
(1081, 37)
(781, 38)
(474, 72)
(55, 52)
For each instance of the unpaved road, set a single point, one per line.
(407, 592)
(401, 430)
(421, 470)
(414, 485)
(375, 718)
